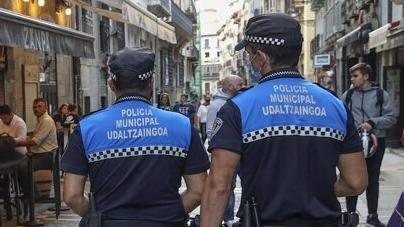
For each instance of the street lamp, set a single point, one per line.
(41, 2)
(68, 11)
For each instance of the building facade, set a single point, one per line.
(39, 44)
(362, 31)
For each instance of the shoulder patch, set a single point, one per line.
(217, 124)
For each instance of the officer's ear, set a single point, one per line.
(262, 57)
(150, 83)
(112, 85)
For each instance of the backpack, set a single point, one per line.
(379, 102)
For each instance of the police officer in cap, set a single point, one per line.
(288, 135)
(135, 154)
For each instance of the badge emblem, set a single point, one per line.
(217, 124)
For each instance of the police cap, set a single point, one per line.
(277, 29)
(131, 65)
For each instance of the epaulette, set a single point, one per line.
(88, 114)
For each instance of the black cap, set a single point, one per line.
(131, 65)
(272, 29)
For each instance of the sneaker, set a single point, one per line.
(228, 223)
(374, 221)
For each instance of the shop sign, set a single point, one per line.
(36, 39)
(322, 59)
(28, 33)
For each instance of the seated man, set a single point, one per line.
(13, 125)
(42, 143)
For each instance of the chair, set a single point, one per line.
(56, 184)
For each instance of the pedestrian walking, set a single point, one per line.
(373, 111)
(287, 134)
(230, 86)
(164, 102)
(135, 154)
(202, 116)
(185, 108)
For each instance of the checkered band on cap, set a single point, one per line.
(137, 151)
(293, 130)
(265, 40)
(145, 75)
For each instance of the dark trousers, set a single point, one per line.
(203, 132)
(229, 212)
(139, 223)
(41, 161)
(372, 191)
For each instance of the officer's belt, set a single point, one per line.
(304, 222)
(139, 223)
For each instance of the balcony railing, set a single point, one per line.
(317, 4)
(160, 8)
(180, 20)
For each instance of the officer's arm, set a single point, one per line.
(353, 177)
(218, 186)
(73, 193)
(191, 198)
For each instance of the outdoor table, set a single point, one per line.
(9, 163)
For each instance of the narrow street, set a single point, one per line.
(391, 186)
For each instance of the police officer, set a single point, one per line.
(288, 134)
(135, 154)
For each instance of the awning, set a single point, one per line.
(135, 16)
(141, 18)
(355, 35)
(379, 36)
(22, 31)
(167, 32)
(388, 37)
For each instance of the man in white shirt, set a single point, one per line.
(13, 125)
(200, 123)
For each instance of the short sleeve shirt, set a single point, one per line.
(186, 109)
(137, 182)
(289, 133)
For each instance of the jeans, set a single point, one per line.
(203, 132)
(372, 191)
(229, 213)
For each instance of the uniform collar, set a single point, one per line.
(281, 73)
(132, 97)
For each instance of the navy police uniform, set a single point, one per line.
(289, 133)
(134, 153)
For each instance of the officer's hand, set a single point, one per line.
(366, 126)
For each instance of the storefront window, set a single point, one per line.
(47, 79)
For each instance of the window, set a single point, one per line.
(218, 43)
(206, 43)
(87, 107)
(206, 54)
(207, 88)
(218, 54)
